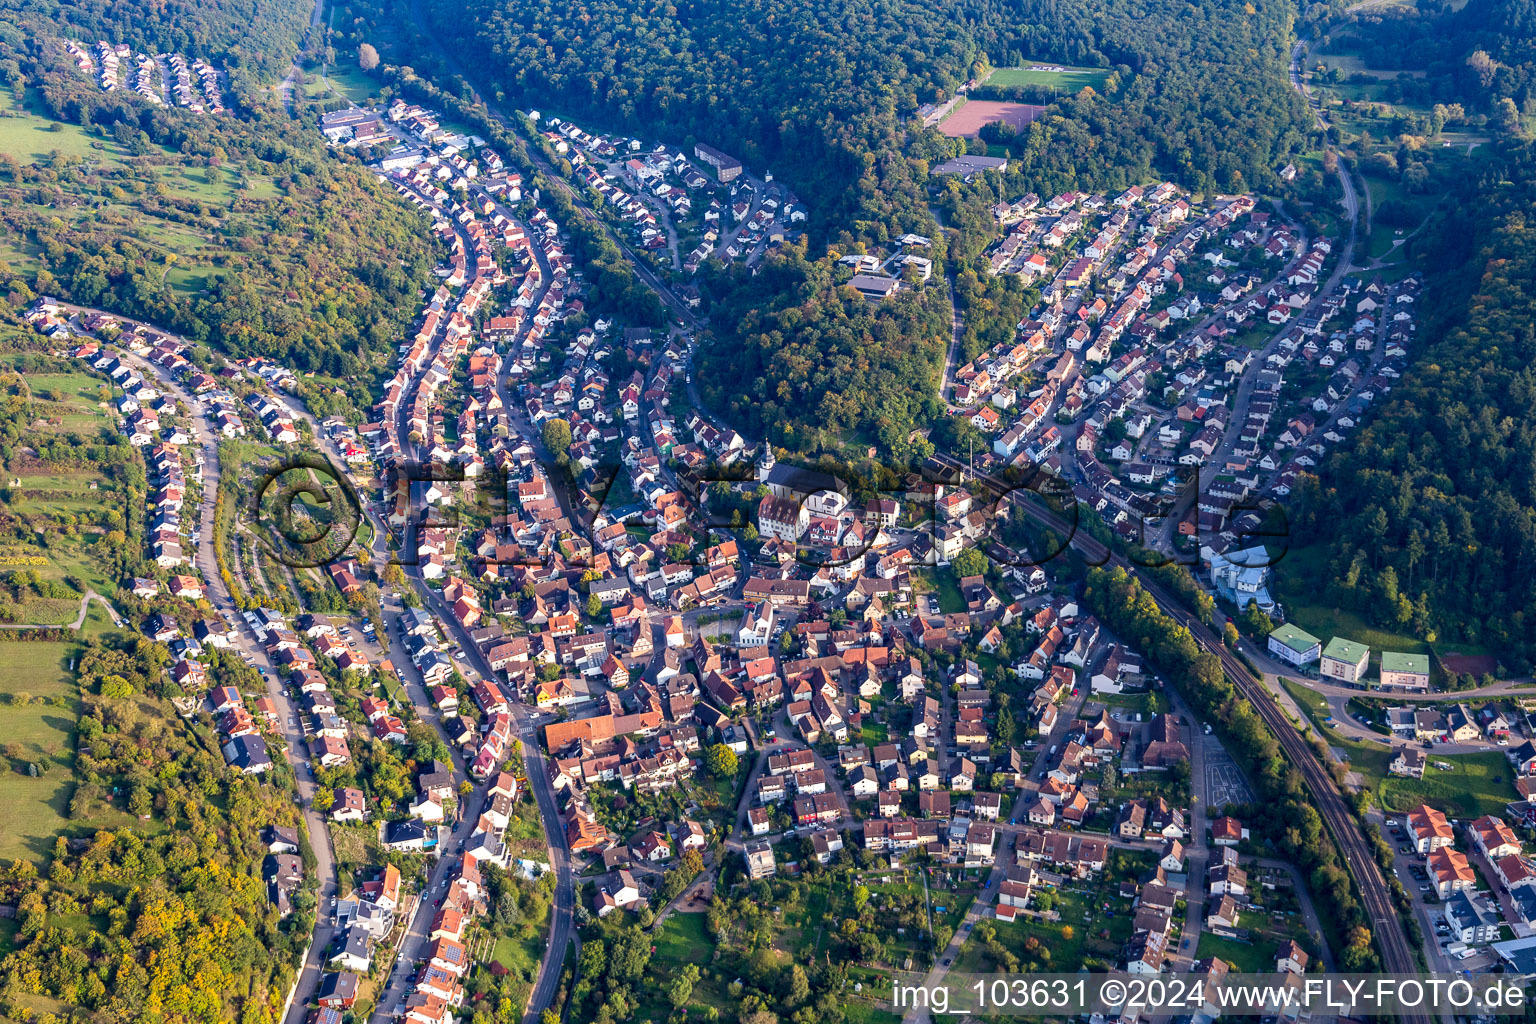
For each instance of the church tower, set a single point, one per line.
(765, 463)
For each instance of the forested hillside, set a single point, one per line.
(241, 231)
(252, 38)
(1205, 100)
(1481, 54)
(802, 361)
(168, 921)
(1429, 515)
(820, 90)
(824, 93)
(814, 89)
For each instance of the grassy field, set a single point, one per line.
(356, 845)
(1369, 759)
(1083, 931)
(1348, 64)
(30, 137)
(1245, 957)
(1132, 702)
(1070, 80)
(1477, 784)
(680, 940)
(351, 82)
(37, 722)
(948, 593)
(54, 499)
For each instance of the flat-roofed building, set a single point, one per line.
(1344, 660)
(972, 164)
(727, 168)
(1409, 671)
(1294, 645)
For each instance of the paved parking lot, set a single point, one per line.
(1224, 782)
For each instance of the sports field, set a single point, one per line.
(969, 119)
(1067, 79)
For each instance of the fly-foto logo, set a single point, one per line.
(307, 514)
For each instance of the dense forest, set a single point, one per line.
(1204, 98)
(803, 361)
(822, 92)
(1479, 54)
(252, 39)
(1428, 516)
(302, 257)
(815, 91)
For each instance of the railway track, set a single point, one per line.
(1397, 953)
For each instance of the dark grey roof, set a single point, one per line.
(803, 481)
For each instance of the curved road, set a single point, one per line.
(676, 306)
(90, 595)
(295, 745)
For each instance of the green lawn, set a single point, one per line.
(1084, 931)
(948, 595)
(1468, 790)
(1245, 957)
(680, 940)
(38, 710)
(30, 137)
(352, 82)
(874, 733)
(516, 955)
(1070, 80)
(187, 280)
(860, 1007)
(1132, 702)
(802, 934)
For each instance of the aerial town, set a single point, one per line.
(530, 679)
